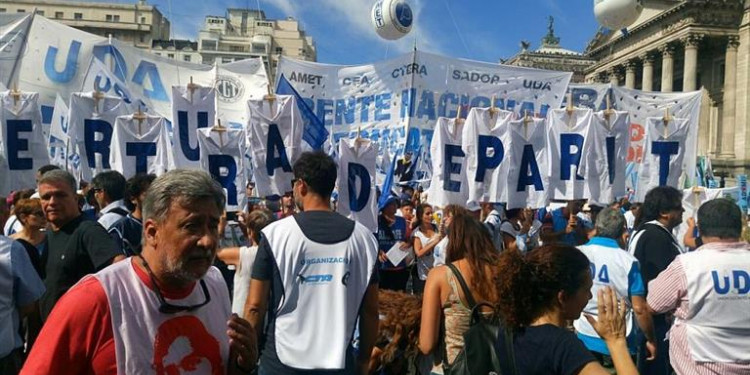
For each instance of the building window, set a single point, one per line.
(209, 45)
(117, 18)
(77, 16)
(142, 38)
(236, 48)
(225, 60)
(40, 12)
(186, 58)
(143, 19)
(279, 50)
(21, 11)
(59, 15)
(109, 18)
(259, 48)
(3, 10)
(170, 55)
(158, 53)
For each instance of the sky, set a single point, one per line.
(482, 30)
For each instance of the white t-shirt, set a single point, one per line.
(427, 261)
(526, 241)
(242, 278)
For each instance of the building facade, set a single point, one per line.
(686, 46)
(245, 33)
(177, 49)
(551, 56)
(138, 23)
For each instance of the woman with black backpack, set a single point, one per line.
(452, 290)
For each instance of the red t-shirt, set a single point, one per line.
(77, 337)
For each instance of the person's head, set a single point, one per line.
(181, 215)
(249, 188)
(424, 215)
(22, 194)
(44, 169)
(108, 186)
(469, 239)
(4, 212)
(29, 212)
(551, 278)
(452, 210)
(287, 202)
(400, 321)
(663, 203)
(256, 221)
(720, 218)
(390, 207)
(136, 188)
(57, 190)
(610, 223)
(575, 206)
(407, 209)
(314, 177)
(487, 207)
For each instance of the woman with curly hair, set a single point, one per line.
(396, 350)
(538, 293)
(471, 256)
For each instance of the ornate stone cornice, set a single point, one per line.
(668, 50)
(648, 58)
(631, 65)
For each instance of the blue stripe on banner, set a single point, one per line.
(47, 112)
(314, 131)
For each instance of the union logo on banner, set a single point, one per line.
(229, 88)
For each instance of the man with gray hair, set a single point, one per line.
(166, 309)
(75, 246)
(612, 266)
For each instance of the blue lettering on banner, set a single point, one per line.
(324, 109)
(610, 143)
(740, 278)
(191, 153)
(408, 97)
(16, 144)
(345, 111)
(664, 150)
(148, 70)
(529, 171)
(71, 63)
(274, 146)
(486, 160)
(141, 151)
(568, 159)
(427, 105)
(92, 146)
(451, 168)
(382, 105)
(215, 165)
(358, 200)
(120, 68)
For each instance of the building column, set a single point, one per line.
(648, 72)
(729, 102)
(690, 77)
(614, 78)
(667, 67)
(630, 68)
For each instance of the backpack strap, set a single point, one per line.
(510, 350)
(464, 286)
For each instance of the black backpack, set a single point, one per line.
(479, 357)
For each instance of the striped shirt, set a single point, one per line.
(668, 292)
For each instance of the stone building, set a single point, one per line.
(177, 49)
(136, 23)
(685, 46)
(551, 56)
(245, 33)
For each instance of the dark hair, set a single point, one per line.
(513, 212)
(22, 194)
(455, 210)
(136, 186)
(46, 168)
(528, 285)
(469, 239)
(658, 200)
(112, 182)
(419, 214)
(720, 218)
(318, 171)
(406, 202)
(257, 220)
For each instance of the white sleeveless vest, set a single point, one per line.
(323, 289)
(149, 342)
(718, 291)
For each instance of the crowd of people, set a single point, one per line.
(150, 275)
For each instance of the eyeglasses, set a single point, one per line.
(166, 307)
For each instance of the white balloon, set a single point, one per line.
(617, 14)
(392, 18)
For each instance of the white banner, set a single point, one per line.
(59, 124)
(223, 155)
(568, 131)
(24, 148)
(141, 145)
(386, 98)
(356, 182)
(191, 110)
(14, 28)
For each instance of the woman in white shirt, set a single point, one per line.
(521, 230)
(426, 236)
(243, 257)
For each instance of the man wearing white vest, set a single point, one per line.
(708, 291)
(314, 275)
(165, 311)
(611, 266)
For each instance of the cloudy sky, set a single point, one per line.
(481, 30)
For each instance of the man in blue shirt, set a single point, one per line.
(563, 226)
(21, 289)
(611, 266)
(391, 230)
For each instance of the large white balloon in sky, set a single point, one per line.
(617, 14)
(392, 18)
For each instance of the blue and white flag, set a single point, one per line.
(314, 132)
